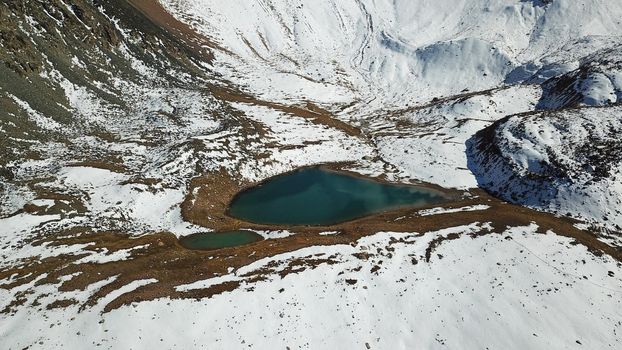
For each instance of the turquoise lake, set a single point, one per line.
(315, 196)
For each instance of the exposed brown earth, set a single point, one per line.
(310, 111)
(154, 11)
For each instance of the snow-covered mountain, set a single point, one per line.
(566, 161)
(395, 53)
(126, 124)
(597, 81)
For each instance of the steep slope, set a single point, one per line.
(127, 90)
(569, 162)
(390, 53)
(596, 82)
(83, 83)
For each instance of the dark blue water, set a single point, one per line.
(314, 196)
(217, 240)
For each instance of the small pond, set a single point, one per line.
(315, 196)
(217, 240)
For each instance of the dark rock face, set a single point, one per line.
(30, 29)
(539, 3)
(6, 173)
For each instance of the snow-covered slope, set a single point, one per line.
(596, 82)
(515, 290)
(395, 68)
(121, 118)
(566, 161)
(390, 53)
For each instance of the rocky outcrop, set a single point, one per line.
(597, 82)
(567, 161)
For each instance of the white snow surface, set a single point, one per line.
(568, 162)
(435, 211)
(388, 52)
(511, 290)
(146, 208)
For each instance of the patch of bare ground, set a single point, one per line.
(155, 12)
(309, 111)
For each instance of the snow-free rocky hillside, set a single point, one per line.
(126, 124)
